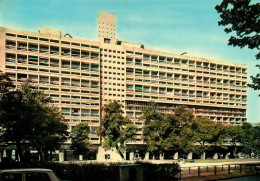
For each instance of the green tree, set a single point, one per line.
(168, 132)
(234, 135)
(30, 122)
(241, 18)
(154, 131)
(79, 139)
(180, 137)
(206, 133)
(251, 139)
(52, 132)
(5, 83)
(115, 129)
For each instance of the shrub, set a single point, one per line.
(100, 172)
(160, 171)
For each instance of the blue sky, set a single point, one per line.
(173, 25)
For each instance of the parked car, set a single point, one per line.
(28, 174)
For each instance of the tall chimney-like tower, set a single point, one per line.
(106, 27)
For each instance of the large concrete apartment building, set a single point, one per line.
(82, 75)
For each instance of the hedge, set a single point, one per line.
(99, 172)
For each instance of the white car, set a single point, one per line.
(28, 174)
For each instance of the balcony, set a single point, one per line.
(22, 47)
(65, 66)
(44, 50)
(44, 81)
(77, 84)
(54, 52)
(55, 82)
(54, 64)
(10, 59)
(65, 53)
(65, 83)
(94, 57)
(11, 45)
(94, 86)
(75, 67)
(33, 80)
(22, 61)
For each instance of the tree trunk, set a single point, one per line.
(40, 154)
(235, 152)
(120, 153)
(45, 154)
(51, 156)
(19, 151)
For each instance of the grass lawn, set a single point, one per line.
(223, 160)
(220, 176)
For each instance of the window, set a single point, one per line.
(199, 93)
(39, 176)
(107, 156)
(106, 40)
(11, 176)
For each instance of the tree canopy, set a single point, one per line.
(251, 139)
(167, 132)
(183, 132)
(80, 139)
(30, 122)
(5, 83)
(115, 129)
(242, 18)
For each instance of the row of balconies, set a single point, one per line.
(171, 107)
(37, 40)
(79, 115)
(219, 114)
(55, 52)
(232, 83)
(154, 68)
(188, 76)
(52, 62)
(36, 46)
(62, 83)
(190, 83)
(187, 100)
(33, 62)
(192, 87)
(227, 69)
(52, 71)
(185, 95)
(178, 61)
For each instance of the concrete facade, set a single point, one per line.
(81, 76)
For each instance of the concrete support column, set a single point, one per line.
(227, 156)
(146, 156)
(13, 154)
(61, 155)
(215, 156)
(4, 154)
(0, 155)
(17, 156)
(203, 155)
(161, 157)
(80, 157)
(131, 155)
(176, 156)
(189, 156)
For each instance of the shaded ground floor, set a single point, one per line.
(133, 152)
